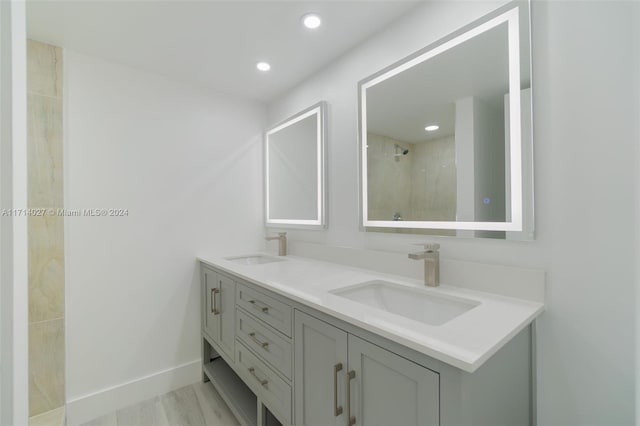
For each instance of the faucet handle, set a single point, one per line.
(429, 247)
(282, 234)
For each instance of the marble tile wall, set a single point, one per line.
(388, 178)
(46, 366)
(53, 417)
(433, 177)
(46, 233)
(420, 185)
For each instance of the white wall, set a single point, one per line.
(586, 181)
(13, 228)
(586, 341)
(636, 48)
(188, 167)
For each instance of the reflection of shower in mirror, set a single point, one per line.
(400, 151)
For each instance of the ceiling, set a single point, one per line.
(214, 44)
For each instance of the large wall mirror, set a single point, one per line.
(445, 135)
(295, 170)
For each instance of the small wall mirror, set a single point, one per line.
(445, 135)
(295, 171)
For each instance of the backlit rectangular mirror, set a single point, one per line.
(295, 171)
(445, 135)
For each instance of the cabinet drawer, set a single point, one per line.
(273, 312)
(271, 346)
(265, 383)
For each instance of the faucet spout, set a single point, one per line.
(431, 257)
(282, 243)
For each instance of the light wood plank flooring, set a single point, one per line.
(196, 405)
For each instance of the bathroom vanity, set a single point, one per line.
(289, 340)
(445, 148)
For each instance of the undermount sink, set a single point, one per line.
(256, 259)
(414, 303)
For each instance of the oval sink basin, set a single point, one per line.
(414, 303)
(257, 259)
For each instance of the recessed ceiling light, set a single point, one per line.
(432, 128)
(263, 66)
(311, 21)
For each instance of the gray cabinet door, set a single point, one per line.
(390, 390)
(209, 296)
(226, 307)
(320, 349)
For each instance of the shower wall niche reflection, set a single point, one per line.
(411, 181)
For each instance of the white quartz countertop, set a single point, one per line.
(465, 342)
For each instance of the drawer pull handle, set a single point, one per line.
(336, 410)
(214, 309)
(261, 381)
(264, 309)
(255, 339)
(352, 419)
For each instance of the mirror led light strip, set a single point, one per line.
(511, 17)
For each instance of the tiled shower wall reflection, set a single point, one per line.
(420, 185)
(46, 232)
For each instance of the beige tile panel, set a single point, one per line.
(44, 69)
(44, 152)
(46, 267)
(46, 366)
(50, 418)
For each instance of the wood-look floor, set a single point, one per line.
(196, 405)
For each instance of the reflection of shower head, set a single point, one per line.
(400, 150)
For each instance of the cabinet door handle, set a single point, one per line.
(336, 410)
(264, 309)
(261, 381)
(214, 309)
(255, 339)
(351, 419)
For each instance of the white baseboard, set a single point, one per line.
(87, 407)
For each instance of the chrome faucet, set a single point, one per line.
(431, 258)
(282, 243)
